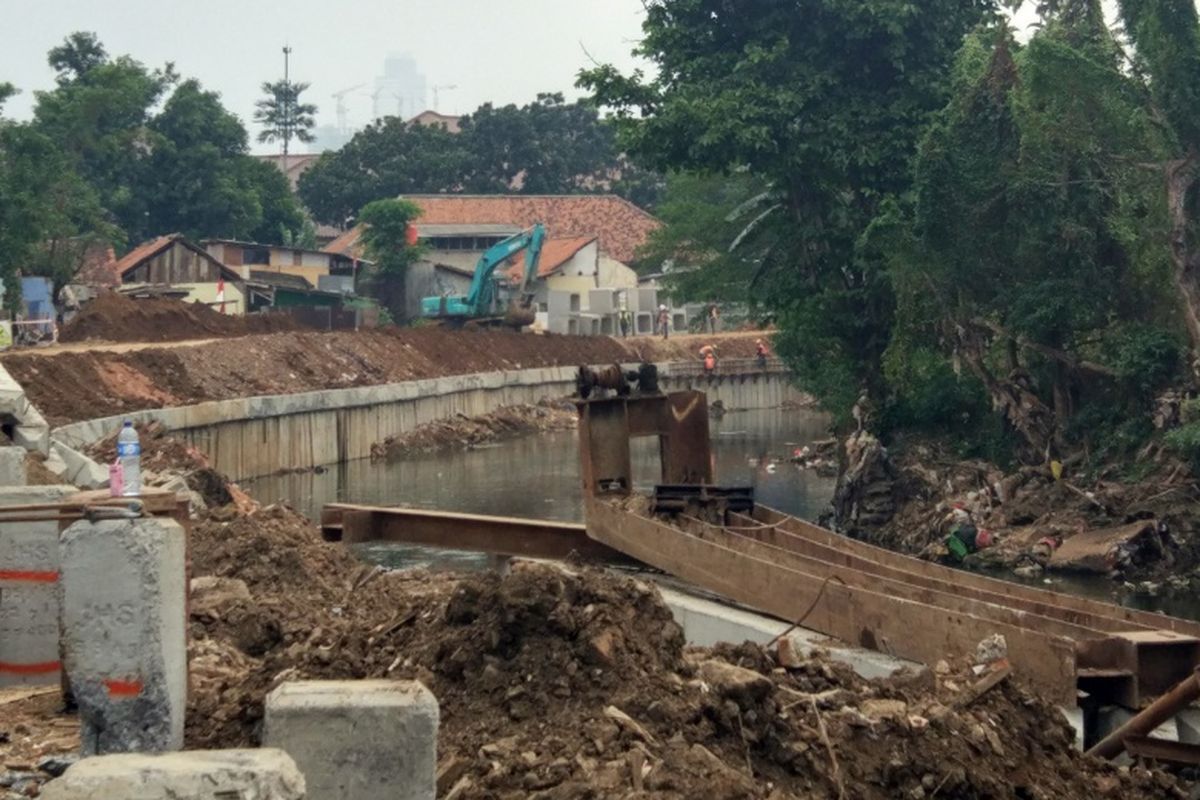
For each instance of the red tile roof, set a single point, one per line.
(620, 226)
(555, 253)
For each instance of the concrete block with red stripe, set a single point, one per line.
(123, 591)
(29, 589)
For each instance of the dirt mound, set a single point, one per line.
(113, 317)
(571, 683)
(72, 386)
(463, 431)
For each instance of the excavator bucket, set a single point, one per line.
(518, 316)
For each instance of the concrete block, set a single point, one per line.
(76, 468)
(29, 591)
(31, 430)
(12, 466)
(1187, 724)
(366, 740)
(123, 593)
(263, 774)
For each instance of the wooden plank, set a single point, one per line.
(946, 580)
(870, 619)
(969, 580)
(1163, 750)
(892, 588)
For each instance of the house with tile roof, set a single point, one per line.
(591, 239)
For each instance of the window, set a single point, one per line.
(256, 255)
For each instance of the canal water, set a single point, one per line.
(538, 477)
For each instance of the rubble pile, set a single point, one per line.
(565, 682)
(113, 317)
(172, 463)
(465, 432)
(1141, 533)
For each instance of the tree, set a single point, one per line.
(199, 179)
(825, 106)
(48, 215)
(1166, 34)
(698, 227)
(184, 167)
(98, 116)
(387, 158)
(546, 147)
(79, 54)
(385, 241)
(283, 116)
(1019, 258)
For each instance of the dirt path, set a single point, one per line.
(100, 379)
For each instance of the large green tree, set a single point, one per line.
(825, 101)
(49, 216)
(546, 147)
(385, 241)
(1019, 259)
(179, 166)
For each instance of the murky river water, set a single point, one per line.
(538, 477)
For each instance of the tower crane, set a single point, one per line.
(340, 97)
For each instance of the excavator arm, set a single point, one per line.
(480, 299)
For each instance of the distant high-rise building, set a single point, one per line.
(400, 91)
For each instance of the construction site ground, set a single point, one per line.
(565, 681)
(69, 385)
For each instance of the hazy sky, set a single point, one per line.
(493, 50)
(498, 50)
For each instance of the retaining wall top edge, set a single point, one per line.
(87, 432)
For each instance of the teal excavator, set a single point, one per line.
(482, 305)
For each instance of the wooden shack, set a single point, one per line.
(174, 261)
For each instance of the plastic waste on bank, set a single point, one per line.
(129, 455)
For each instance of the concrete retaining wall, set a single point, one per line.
(251, 436)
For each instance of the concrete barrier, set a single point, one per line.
(12, 466)
(263, 774)
(251, 436)
(29, 573)
(366, 740)
(123, 596)
(28, 426)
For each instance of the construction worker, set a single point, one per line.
(625, 320)
(664, 320)
(760, 352)
(714, 316)
(709, 354)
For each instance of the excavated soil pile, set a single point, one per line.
(73, 386)
(113, 317)
(564, 683)
(463, 431)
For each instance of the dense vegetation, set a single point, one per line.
(117, 153)
(546, 147)
(956, 231)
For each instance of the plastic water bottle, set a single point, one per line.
(129, 453)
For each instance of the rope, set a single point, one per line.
(811, 608)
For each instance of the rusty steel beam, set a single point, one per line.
(508, 536)
(858, 614)
(1155, 714)
(1163, 750)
